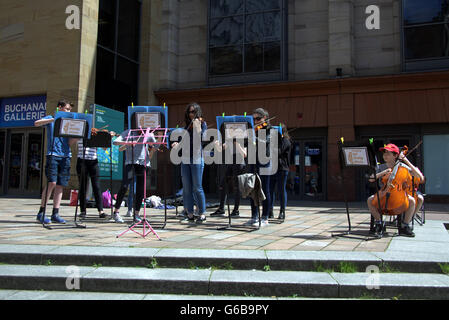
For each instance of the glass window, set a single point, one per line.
(118, 53)
(419, 11)
(244, 36)
(106, 23)
(426, 31)
(223, 8)
(128, 29)
(226, 31)
(436, 150)
(225, 60)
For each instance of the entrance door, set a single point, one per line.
(16, 157)
(24, 166)
(307, 176)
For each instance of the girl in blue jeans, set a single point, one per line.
(192, 171)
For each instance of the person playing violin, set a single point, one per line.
(192, 172)
(261, 122)
(391, 154)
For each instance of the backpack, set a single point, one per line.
(107, 199)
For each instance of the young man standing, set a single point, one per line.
(57, 168)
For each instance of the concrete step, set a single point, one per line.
(419, 262)
(225, 282)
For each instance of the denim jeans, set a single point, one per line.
(192, 184)
(280, 178)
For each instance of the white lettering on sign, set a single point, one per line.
(372, 22)
(73, 20)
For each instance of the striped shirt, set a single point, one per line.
(90, 153)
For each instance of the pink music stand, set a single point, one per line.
(143, 133)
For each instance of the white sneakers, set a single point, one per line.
(255, 223)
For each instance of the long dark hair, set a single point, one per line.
(196, 109)
(285, 131)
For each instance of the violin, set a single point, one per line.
(393, 197)
(261, 126)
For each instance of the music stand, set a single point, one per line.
(142, 136)
(69, 125)
(234, 127)
(356, 154)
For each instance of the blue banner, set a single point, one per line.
(22, 111)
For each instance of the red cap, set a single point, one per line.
(391, 147)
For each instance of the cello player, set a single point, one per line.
(391, 154)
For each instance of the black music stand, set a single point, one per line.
(62, 128)
(244, 124)
(355, 154)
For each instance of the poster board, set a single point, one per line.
(113, 120)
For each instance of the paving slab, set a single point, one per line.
(391, 285)
(310, 260)
(273, 283)
(237, 259)
(143, 280)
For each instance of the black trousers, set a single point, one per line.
(139, 171)
(225, 172)
(91, 170)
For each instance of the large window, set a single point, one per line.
(118, 53)
(436, 151)
(426, 34)
(246, 39)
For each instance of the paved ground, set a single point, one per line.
(308, 226)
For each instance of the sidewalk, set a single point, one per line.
(308, 227)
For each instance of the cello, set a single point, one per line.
(393, 197)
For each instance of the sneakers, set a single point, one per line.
(117, 217)
(378, 229)
(102, 215)
(264, 223)
(82, 215)
(129, 214)
(281, 215)
(252, 222)
(235, 213)
(40, 217)
(189, 219)
(406, 231)
(56, 218)
(201, 219)
(219, 212)
(137, 219)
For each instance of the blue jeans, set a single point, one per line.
(192, 184)
(280, 178)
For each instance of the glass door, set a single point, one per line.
(307, 175)
(32, 180)
(15, 169)
(24, 165)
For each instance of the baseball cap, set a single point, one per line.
(390, 147)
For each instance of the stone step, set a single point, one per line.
(225, 282)
(397, 261)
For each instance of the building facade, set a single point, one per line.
(315, 65)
